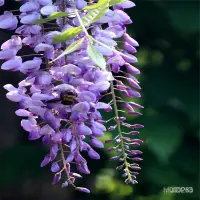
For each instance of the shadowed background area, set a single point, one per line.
(168, 58)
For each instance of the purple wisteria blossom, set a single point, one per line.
(76, 63)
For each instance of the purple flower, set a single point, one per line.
(1, 2)
(13, 64)
(8, 21)
(60, 99)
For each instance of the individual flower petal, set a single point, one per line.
(27, 125)
(87, 96)
(43, 78)
(65, 184)
(117, 59)
(96, 143)
(29, 7)
(8, 21)
(83, 168)
(82, 189)
(57, 178)
(125, 4)
(123, 17)
(47, 130)
(93, 154)
(43, 47)
(30, 18)
(82, 129)
(81, 107)
(34, 134)
(13, 64)
(105, 106)
(70, 158)
(23, 113)
(97, 132)
(14, 96)
(39, 96)
(45, 2)
(1, 2)
(117, 31)
(80, 4)
(63, 87)
(106, 41)
(47, 160)
(55, 167)
(9, 87)
(129, 48)
(48, 10)
(132, 69)
(130, 40)
(71, 69)
(31, 65)
(100, 86)
(7, 54)
(14, 43)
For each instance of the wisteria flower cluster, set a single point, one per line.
(75, 62)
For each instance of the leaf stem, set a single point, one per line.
(110, 48)
(81, 23)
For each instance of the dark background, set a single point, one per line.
(168, 33)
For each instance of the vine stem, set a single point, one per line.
(61, 147)
(119, 128)
(63, 160)
(65, 166)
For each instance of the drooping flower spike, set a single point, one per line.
(76, 63)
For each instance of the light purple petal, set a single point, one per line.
(96, 143)
(22, 113)
(13, 64)
(82, 129)
(87, 96)
(8, 21)
(14, 96)
(29, 7)
(30, 18)
(48, 10)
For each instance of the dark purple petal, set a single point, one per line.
(96, 143)
(55, 167)
(57, 178)
(82, 129)
(47, 160)
(93, 154)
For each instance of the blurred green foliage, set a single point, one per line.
(168, 33)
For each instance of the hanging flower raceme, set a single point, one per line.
(74, 65)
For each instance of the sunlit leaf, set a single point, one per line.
(96, 56)
(95, 14)
(113, 2)
(71, 48)
(97, 5)
(67, 35)
(53, 16)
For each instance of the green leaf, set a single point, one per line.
(71, 48)
(95, 14)
(96, 5)
(96, 56)
(67, 35)
(53, 16)
(113, 2)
